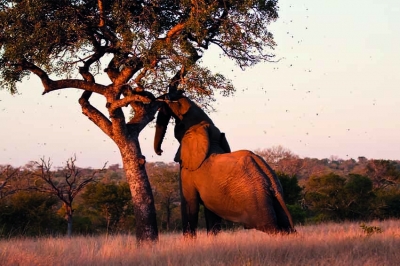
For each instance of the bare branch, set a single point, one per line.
(96, 116)
(88, 180)
(51, 85)
(87, 76)
(127, 100)
(67, 186)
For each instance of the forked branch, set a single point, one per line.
(51, 85)
(96, 116)
(128, 100)
(71, 183)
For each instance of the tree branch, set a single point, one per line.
(102, 22)
(179, 76)
(144, 114)
(142, 74)
(126, 101)
(177, 29)
(88, 180)
(96, 116)
(51, 85)
(65, 190)
(87, 76)
(127, 73)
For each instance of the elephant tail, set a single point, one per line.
(276, 188)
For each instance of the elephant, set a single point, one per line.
(237, 186)
(220, 145)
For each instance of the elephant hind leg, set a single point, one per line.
(283, 221)
(276, 220)
(213, 222)
(267, 220)
(269, 228)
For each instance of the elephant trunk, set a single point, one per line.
(158, 138)
(162, 121)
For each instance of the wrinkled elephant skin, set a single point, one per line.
(237, 186)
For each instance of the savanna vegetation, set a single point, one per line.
(129, 53)
(315, 190)
(348, 243)
(144, 49)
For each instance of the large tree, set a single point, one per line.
(145, 47)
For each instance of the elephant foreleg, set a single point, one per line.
(213, 222)
(190, 215)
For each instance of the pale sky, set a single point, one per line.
(335, 91)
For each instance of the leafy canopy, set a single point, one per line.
(150, 45)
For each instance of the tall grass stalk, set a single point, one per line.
(325, 244)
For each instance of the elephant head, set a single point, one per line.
(194, 130)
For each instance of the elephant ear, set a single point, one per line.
(194, 147)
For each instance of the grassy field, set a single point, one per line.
(326, 244)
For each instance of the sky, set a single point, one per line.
(333, 90)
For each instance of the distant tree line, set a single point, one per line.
(38, 199)
(335, 189)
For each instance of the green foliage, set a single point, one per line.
(338, 198)
(292, 194)
(83, 224)
(358, 184)
(144, 47)
(299, 215)
(359, 197)
(56, 35)
(387, 203)
(30, 214)
(331, 197)
(369, 230)
(325, 196)
(108, 206)
(164, 180)
(292, 190)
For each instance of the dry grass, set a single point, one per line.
(328, 244)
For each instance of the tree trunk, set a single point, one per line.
(108, 223)
(68, 217)
(168, 213)
(142, 196)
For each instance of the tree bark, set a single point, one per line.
(142, 196)
(68, 214)
(126, 136)
(168, 214)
